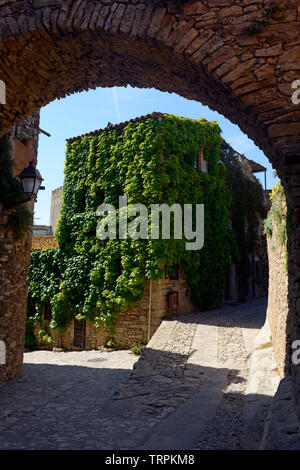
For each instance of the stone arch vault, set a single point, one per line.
(240, 57)
(199, 49)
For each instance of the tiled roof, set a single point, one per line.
(43, 241)
(120, 125)
(255, 167)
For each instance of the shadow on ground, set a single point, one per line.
(249, 314)
(74, 407)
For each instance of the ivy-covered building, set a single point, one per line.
(89, 292)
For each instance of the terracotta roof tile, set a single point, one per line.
(43, 241)
(120, 125)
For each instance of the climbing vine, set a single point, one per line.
(277, 214)
(151, 162)
(46, 268)
(279, 217)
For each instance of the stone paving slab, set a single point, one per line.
(186, 391)
(179, 429)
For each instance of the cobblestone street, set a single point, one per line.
(187, 391)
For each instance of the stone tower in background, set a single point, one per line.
(56, 202)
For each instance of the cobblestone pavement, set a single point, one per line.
(185, 392)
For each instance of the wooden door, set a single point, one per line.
(79, 333)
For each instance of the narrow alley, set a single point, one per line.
(190, 389)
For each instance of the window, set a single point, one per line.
(79, 333)
(174, 273)
(199, 160)
(201, 164)
(172, 300)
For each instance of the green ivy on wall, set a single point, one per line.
(11, 193)
(150, 161)
(279, 216)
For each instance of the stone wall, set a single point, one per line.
(14, 265)
(291, 183)
(277, 313)
(42, 230)
(29, 129)
(204, 50)
(40, 242)
(132, 325)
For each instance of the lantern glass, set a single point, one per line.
(37, 184)
(31, 180)
(28, 185)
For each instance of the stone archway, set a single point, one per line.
(240, 59)
(201, 50)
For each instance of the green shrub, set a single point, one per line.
(137, 349)
(44, 337)
(20, 218)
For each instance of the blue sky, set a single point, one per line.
(87, 111)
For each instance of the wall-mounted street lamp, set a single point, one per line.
(31, 180)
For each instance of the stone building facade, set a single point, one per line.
(169, 297)
(256, 284)
(278, 305)
(41, 230)
(29, 129)
(258, 278)
(134, 326)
